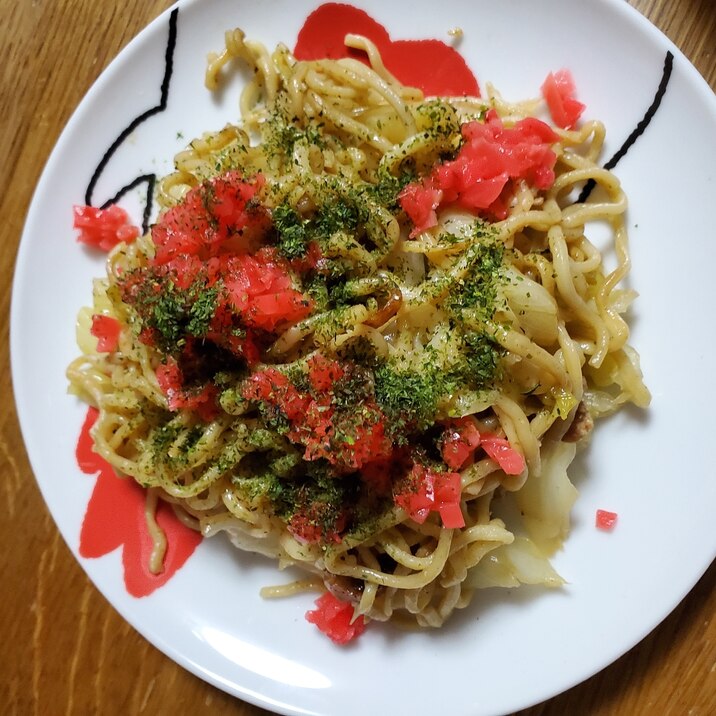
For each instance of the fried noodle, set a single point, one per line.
(512, 322)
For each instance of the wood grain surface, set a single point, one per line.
(63, 648)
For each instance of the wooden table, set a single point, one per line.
(63, 648)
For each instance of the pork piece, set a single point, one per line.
(346, 589)
(581, 426)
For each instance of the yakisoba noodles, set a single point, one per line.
(327, 355)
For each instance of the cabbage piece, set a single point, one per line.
(546, 500)
(493, 570)
(533, 307)
(530, 565)
(510, 565)
(617, 381)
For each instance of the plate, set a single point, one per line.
(509, 649)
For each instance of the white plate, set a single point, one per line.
(509, 649)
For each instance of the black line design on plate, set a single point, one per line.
(150, 179)
(640, 127)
